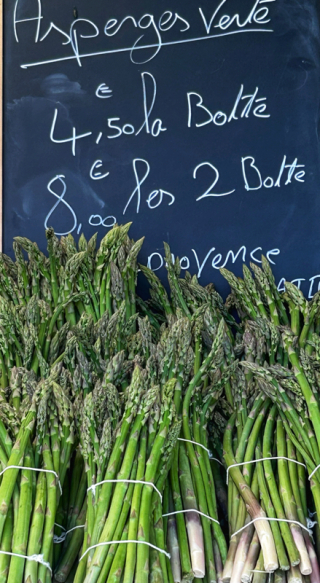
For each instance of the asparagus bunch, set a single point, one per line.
(73, 312)
(279, 370)
(195, 356)
(131, 458)
(37, 435)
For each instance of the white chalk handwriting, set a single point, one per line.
(147, 31)
(214, 259)
(199, 115)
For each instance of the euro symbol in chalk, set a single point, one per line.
(103, 91)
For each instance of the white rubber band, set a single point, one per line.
(191, 510)
(200, 445)
(60, 539)
(271, 520)
(33, 470)
(125, 542)
(215, 459)
(311, 523)
(265, 459)
(314, 471)
(36, 558)
(205, 449)
(94, 486)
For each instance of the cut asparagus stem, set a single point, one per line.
(251, 560)
(193, 522)
(289, 502)
(173, 548)
(262, 526)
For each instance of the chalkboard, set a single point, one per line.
(197, 121)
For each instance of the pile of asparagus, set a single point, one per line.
(78, 345)
(168, 440)
(279, 425)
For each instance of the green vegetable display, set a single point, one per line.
(168, 440)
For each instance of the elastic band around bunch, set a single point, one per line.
(265, 459)
(94, 486)
(125, 542)
(33, 470)
(203, 447)
(271, 520)
(35, 558)
(60, 539)
(313, 472)
(311, 523)
(191, 510)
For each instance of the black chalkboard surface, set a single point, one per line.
(197, 121)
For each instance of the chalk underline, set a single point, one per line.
(143, 47)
